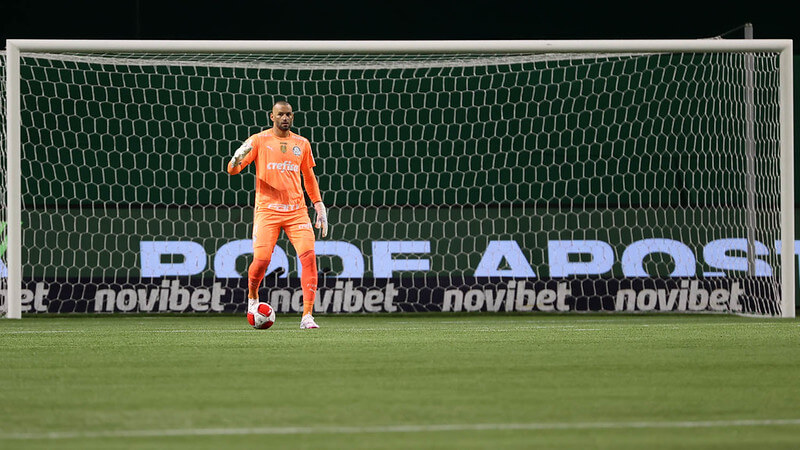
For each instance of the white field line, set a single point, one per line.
(396, 429)
(338, 330)
(519, 325)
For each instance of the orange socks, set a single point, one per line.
(255, 274)
(308, 280)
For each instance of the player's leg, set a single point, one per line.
(301, 235)
(266, 230)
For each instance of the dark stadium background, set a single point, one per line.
(278, 20)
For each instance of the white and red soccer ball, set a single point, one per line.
(262, 316)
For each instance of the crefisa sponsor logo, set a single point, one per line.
(286, 166)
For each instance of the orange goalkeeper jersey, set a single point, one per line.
(279, 163)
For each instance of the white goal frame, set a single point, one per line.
(16, 46)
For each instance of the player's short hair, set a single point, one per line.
(282, 103)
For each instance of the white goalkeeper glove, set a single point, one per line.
(322, 218)
(241, 152)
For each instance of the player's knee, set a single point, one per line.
(257, 268)
(309, 262)
(308, 257)
(262, 253)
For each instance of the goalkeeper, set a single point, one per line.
(281, 156)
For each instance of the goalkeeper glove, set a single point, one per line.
(240, 153)
(322, 218)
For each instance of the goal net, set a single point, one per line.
(456, 180)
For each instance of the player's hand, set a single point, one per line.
(322, 218)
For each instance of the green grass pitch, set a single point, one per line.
(480, 381)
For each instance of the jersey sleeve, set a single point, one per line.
(308, 157)
(309, 178)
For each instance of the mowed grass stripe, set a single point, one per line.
(44, 435)
(410, 325)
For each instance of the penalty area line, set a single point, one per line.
(398, 429)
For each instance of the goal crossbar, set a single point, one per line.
(443, 46)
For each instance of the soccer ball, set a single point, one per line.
(262, 316)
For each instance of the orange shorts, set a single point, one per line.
(268, 224)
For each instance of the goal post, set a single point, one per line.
(787, 181)
(519, 175)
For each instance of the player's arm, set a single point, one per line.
(312, 188)
(243, 156)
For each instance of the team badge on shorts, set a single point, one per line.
(296, 151)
